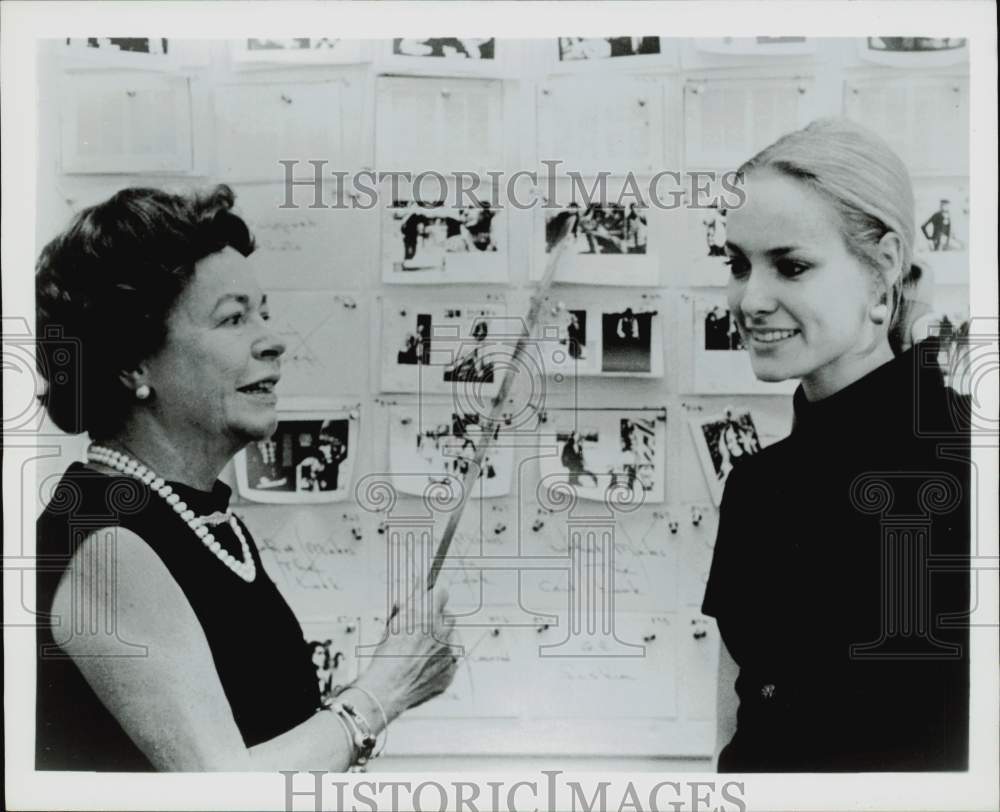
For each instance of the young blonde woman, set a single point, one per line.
(840, 573)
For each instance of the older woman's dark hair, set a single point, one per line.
(105, 287)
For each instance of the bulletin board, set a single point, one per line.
(580, 564)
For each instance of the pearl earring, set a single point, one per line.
(879, 313)
(142, 392)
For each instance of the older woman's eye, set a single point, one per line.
(234, 320)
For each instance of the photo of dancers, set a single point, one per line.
(446, 47)
(471, 365)
(422, 236)
(611, 449)
(714, 222)
(721, 331)
(626, 338)
(940, 229)
(723, 442)
(584, 48)
(417, 344)
(915, 44)
(601, 229)
(576, 335)
(442, 450)
(301, 457)
(294, 44)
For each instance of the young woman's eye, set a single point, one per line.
(738, 267)
(265, 315)
(791, 267)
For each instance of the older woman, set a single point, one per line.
(167, 647)
(840, 573)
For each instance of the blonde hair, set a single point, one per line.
(863, 178)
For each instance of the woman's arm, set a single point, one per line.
(726, 702)
(170, 700)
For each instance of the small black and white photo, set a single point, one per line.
(304, 460)
(909, 45)
(433, 242)
(609, 228)
(584, 48)
(135, 45)
(608, 243)
(440, 347)
(446, 47)
(721, 330)
(575, 335)
(471, 363)
(416, 347)
(605, 448)
(261, 51)
(440, 445)
(626, 341)
(942, 218)
(293, 44)
(724, 441)
(714, 222)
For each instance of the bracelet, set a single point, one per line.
(346, 728)
(385, 718)
(363, 740)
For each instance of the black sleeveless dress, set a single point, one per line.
(840, 581)
(256, 642)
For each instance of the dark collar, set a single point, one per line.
(204, 502)
(884, 397)
(201, 502)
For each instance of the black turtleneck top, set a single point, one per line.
(256, 642)
(840, 581)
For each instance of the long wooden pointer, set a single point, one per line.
(562, 230)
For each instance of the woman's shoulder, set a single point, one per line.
(85, 493)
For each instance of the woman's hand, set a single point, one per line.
(414, 662)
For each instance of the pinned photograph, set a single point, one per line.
(584, 48)
(471, 364)
(575, 347)
(601, 448)
(914, 51)
(431, 242)
(609, 244)
(309, 459)
(723, 442)
(721, 330)
(757, 46)
(155, 46)
(440, 445)
(434, 349)
(416, 347)
(296, 50)
(943, 220)
(915, 44)
(446, 47)
(627, 341)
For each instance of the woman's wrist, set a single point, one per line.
(377, 704)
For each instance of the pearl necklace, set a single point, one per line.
(245, 569)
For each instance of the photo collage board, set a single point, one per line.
(427, 295)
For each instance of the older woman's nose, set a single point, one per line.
(269, 345)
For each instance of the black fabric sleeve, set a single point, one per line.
(724, 573)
